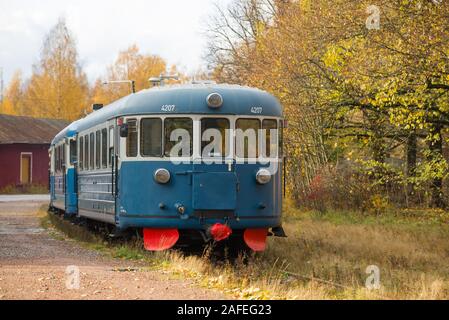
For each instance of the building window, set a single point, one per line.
(151, 138)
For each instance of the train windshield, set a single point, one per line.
(215, 136)
(270, 139)
(178, 137)
(151, 137)
(247, 138)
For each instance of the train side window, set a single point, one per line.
(270, 144)
(111, 146)
(86, 152)
(62, 157)
(73, 150)
(104, 148)
(181, 129)
(210, 126)
(92, 152)
(56, 159)
(131, 140)
(151, 137)
(64, 154)
(97, 149)
(247, 138)
(281, 138)
(81, 153)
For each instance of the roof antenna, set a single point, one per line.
(160, 81)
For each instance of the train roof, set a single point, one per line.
(188, 99)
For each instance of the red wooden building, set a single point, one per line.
(24, 144)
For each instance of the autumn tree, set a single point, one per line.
(130, 65)
(58, 87)
(13, 103)
(360, 83)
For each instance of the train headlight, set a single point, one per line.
(214, 100)
(162, 176)
(263, 176)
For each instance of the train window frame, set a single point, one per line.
(81, 153)
(135, 132)
(56, 159)
(73, 148)
(86, 152)
(266, 143)
(61, 158)
(164, 147)
(227, 143)
(104, 148)
(281, 139)
(111, 147)
(246, 156)
(97, 149)
(92, 151)
(161, 140)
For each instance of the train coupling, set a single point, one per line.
(220, 232)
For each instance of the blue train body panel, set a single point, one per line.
(126, 194)
(71, 200)
(145, 203)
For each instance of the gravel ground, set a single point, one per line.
(33, 265)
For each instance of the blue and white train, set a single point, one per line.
(117, 165)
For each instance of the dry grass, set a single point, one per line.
(26, 189)
(325, 257)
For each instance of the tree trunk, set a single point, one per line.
(412, 141)
(436, 187)
(378, 148)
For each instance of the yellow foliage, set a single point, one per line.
(130, 65)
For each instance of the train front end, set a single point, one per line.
(213, 173)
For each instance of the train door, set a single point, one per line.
(214, 181)
(59, 177)
(113, 161)
(71, 186)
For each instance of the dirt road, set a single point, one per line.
(33, 265)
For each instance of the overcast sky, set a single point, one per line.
(170, 28)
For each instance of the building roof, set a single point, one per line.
(15, 129)
(182, 99)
